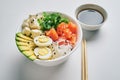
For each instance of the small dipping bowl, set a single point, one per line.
(91, 16)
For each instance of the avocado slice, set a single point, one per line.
(28, 43)
(28, 53)
(32, 57)
(20, 39)
(21, 43)
(23, 48)
(19, 34)
(25, 45)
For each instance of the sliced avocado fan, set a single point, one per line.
(25, 45)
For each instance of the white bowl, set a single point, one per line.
(62, 59)
(94, 7)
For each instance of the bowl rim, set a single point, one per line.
(77, 43)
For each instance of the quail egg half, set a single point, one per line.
(42, 41)
(43, 53)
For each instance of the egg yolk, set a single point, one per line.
(43, 51)
(43, 39)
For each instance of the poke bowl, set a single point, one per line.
(48, 38)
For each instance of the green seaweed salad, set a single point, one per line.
(49, 20)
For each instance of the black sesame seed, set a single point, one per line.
(54, 53)
(64, 52)
(28, 42)
(33, 20)
(25, 34)
(37, 56)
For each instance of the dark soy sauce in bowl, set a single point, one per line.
(90, 17)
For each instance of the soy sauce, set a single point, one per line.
(90, 17)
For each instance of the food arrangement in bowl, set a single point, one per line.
(47, 36)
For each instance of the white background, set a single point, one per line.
(103, 46)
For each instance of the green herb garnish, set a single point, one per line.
(50, 20)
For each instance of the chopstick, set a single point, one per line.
(84, 61)
(82, 66)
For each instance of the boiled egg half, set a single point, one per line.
(43, 53)
(42, 40)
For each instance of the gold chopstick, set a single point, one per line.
(84, 61)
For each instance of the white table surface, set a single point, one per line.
(103, 46)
